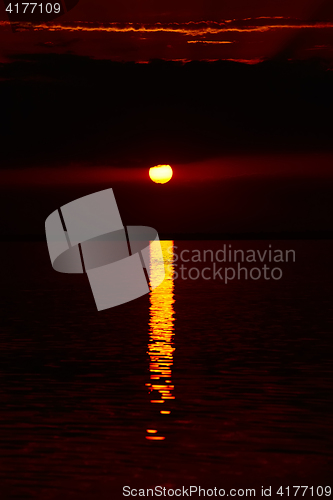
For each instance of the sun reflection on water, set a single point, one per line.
(161, 330)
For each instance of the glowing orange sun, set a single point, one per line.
(161, 173)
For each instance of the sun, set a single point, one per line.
(161, 173)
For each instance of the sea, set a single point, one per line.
(205, 382)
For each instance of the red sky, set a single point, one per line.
(181, 30)
(207, 120)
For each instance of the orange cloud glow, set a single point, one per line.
(190, 29)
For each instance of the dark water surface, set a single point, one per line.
(244, 370)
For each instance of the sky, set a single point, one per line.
(236, 96)
(179, 30)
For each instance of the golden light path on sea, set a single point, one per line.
(161, 334)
